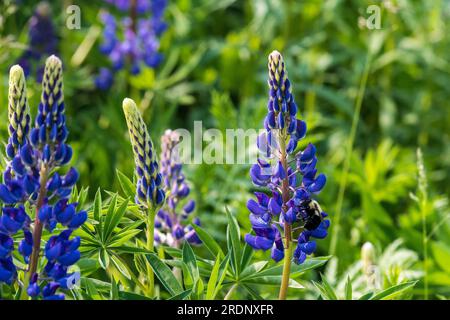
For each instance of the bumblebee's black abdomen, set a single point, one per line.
(312, 222)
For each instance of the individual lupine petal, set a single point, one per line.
(299, 256)
(322, 230)
(259, 243)
(189, 207)
(63, 211)
(318, 184)
(258, 177)
(67, 155)
(7, 196)
(18, 110)
(307, 247)
(27, 155)
(262, 228)
(33, 289)
(289, 216)
(70, 178)
(13, 219)
(275, 204)
(69, 258)
(30, 184)
(178, 232)
(77, 220)
(255, 208)
(55, 270)
(308, 154)
(54, 183)
(6, 246)
(279, 171)
(8, 271)
(192, 237)
(53, 249)
(277, 252)
(263, 199)
(18, 166)
(26, 245)
(49, 292)
(300, 131)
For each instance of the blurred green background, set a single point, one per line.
(371, 99)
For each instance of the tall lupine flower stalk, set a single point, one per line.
(31, 180)
(288, 217)
(149, 192)
(133, 41)
(42, 40)
(171, 220)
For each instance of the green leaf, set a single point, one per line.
(393, 291)
(181, 296)
(103, 259)
(121, 266)
(253, 269)
(208, 241)
(113, 217)
(211, 286)
(117, 217)
(126, 184)
(233, 241)
(296, 270)
(197, 291)
(124, 295)
(441, 253)
(348, 289)
(164, 274)
(188, 280)
(114, 295)
(246, 256)
(255, 295)
(98, 210)
(326, 291)
(190, 261)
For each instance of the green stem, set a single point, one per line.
(150, 247)
(37, 234)
(348, 154)
(286, 265)
(287, 228)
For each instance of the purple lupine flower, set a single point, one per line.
(287, 209)
(42, 38)
(32, 180)
(132, 41)
(171, 220)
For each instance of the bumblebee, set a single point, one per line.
(312, 214)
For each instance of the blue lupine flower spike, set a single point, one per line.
(171, 221)
(32, 180)
(133, 41)
(42, 41)
(286, 210)
(149, 191)
(18, 112)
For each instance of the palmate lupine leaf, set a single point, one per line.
(164, 274)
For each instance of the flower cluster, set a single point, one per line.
(169, 221)
(132, 41)
(31, 181)
(149, 192)
(42, 39)
(289, 210)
